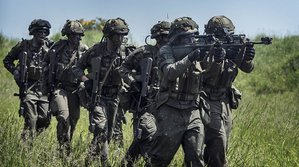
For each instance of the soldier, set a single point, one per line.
(103, 81)
(122, 107)
(134, 72)
(62, 82)
(27, 74)
(219, 93)
(178, 117)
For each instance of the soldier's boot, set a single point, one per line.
(118, 132)
(93, 151)
(105, 162)
(64, 150)
(127, 162)
(63, 137)
(27, 136)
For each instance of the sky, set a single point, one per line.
(251, 17)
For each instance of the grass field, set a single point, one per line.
(265, 127)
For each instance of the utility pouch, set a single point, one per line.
(204, 110)
(34, 73)
(59, 71)
(235, 97)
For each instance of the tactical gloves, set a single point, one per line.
(195, 55)
(249, 53)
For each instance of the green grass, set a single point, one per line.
(265, 127)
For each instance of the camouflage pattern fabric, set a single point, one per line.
(178, 118)
(36, 105)
(64, 102)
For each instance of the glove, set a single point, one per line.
(219, 54)
(232, 52)
(249, 53)
(16, 75)
(196, 55)
(88, 85)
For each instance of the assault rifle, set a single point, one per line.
(241, 40)
(52, 71)
(23, 83)
(206, 42)
(97, 86)
(202, 42)
(209, 40)
(146, 66)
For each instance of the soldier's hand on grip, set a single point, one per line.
(249, 53)
(195, 56)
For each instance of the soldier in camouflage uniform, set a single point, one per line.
(178, 117)
(219, 93)
(34, 106)
(131, 72)
(110, 53)
(61, 82)
(122, 109)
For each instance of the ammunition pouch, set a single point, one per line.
(228, 75)
(147, 127)
(84, 97)
(235, 97)
(204, 109)
(65, 74)
(34, 73)
(215, 93)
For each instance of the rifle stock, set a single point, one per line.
(97, 86)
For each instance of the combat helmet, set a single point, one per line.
(115, 26)
(72, 27)
(39, 24)
(219, 25)
(161, 28)
(183, 25)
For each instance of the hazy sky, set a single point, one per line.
(279, 17)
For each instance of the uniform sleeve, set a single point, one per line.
(12, 56)
(83, 63)
(126, 68)
(247, 66)
(169, 67)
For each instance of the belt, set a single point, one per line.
(183, 96)
(214, 90)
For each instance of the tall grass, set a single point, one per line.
(265, 130)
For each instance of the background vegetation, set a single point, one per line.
(265, 132)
